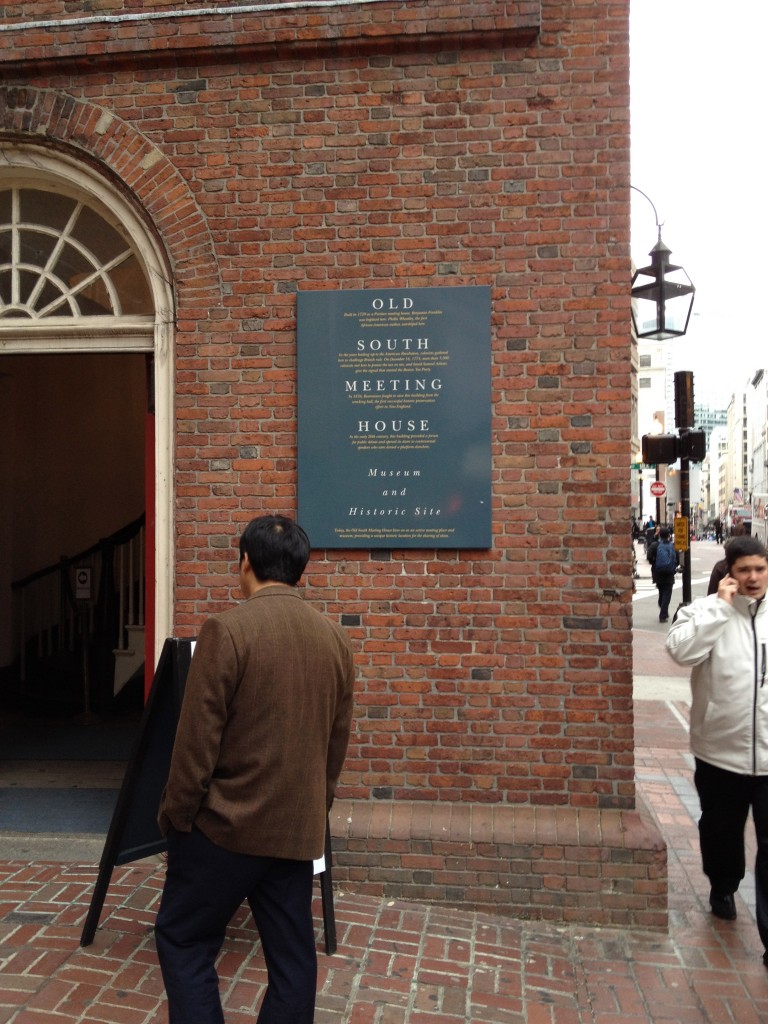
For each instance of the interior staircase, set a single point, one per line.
(81, 643)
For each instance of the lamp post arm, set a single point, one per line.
(655, 214)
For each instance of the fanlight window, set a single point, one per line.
(60, 258)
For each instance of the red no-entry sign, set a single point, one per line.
(658, 489)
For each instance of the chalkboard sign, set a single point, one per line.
(133, 832)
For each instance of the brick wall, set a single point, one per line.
(392, 143)
(543, 863)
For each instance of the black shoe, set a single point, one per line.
(663, 618)
(723, 905)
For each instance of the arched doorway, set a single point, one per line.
(85, 410)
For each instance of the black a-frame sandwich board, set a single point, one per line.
(133, 832)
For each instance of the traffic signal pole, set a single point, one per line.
(684, 415)
(688, 445)
(685, 512)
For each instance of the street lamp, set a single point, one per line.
(662, 299)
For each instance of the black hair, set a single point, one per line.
(664, 533)
(742, 547)
(277, 548)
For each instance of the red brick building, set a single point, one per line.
(202, 165)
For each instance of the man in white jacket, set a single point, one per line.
(724, 636)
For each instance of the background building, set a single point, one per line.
(707, 418)
(735, 492)
(757, 426)
(653, 417)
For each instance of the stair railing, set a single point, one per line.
(130, 586)
(49, 611)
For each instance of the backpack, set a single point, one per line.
(666, 559)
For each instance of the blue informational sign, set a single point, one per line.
(394, 409)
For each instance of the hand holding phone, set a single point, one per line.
(726, 588)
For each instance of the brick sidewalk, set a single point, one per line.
(400, 963)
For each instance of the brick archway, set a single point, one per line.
(43, 133)
(40, 116)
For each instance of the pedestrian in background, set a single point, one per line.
(718, 530)
(261, 740)
(724, 637)
(664, 560)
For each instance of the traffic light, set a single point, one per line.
(664, 449)
(693, 445)
(660, 449)
(683, 399)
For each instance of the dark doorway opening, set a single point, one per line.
(73, 528)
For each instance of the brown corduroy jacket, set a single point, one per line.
(263, 729)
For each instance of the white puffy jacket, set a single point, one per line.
(727, 647)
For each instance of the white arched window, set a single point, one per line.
(59, 258)
(77, 270)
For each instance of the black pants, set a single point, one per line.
(726, 799)
(204, 886)
(665, 582)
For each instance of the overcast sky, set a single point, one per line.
(699, 101)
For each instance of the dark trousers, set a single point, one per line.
(204, 886)
(665, 582)
(726, 799)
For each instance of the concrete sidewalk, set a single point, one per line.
(401, 963)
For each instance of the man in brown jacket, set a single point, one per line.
(260, 744)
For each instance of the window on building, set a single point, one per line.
(60, 258)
